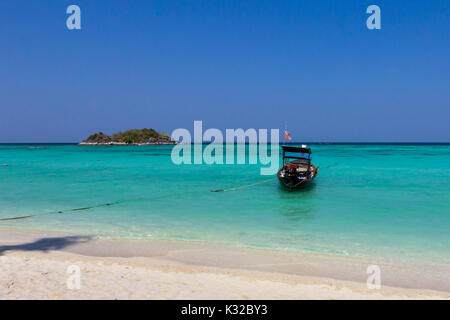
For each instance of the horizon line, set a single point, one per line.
(290, 142)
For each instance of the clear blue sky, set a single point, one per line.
(163, 64)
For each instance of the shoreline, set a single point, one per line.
(315, 276)
(142, 241)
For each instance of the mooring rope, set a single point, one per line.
(132, 200)
(244, 186)
(70, 210)
(264, 181)
(97, 206)
(18, 218)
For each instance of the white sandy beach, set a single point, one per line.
(35, 267)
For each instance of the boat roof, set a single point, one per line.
(296, 149)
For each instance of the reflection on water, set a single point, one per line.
(296, 213)
(297, 205)
(307, 192)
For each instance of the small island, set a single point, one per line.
(138, 137)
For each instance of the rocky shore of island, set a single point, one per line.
(134, 137)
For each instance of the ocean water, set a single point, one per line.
(377, 201)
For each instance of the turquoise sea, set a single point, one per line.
(386, 201)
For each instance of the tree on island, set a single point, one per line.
(99, 138)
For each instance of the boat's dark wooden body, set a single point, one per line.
(298, 173)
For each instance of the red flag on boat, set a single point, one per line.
(287, 136)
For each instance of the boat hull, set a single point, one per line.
(294, 182)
